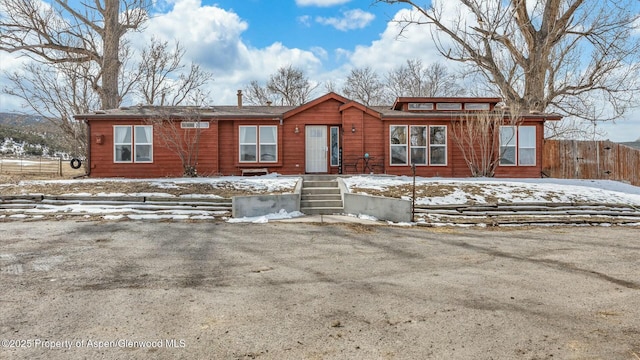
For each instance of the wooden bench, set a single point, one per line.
(255, 171)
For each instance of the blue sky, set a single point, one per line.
(244, 40)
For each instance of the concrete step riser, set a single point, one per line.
(313, 191)
(321, 211)
(321, 203)
(314, 184)
(310, 197)
(319, 177)
(321, 195)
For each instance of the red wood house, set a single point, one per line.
(329, 135)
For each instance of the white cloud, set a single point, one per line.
(213, 38)
(321, 3)
(350, 20)
(393, 49)
(304, 20)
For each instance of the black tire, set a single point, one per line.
(75, 163)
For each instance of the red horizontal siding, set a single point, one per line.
(219, 145)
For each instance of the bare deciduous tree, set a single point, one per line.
(257, 94)
(59, 34)
(415, 80)
(57, 92)
(162, 79)
(477, 135)
(184, 141)
(364, 85)
(287, 86)
(544, 55)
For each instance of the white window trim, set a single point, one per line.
(240, 144)
(446, 155)
(260, 143)
(135, 143)
(257, 144)
(425, 147)
(420, 106)
(535, 145)
(194, 124)
(477, 106)
(337, 129)
(449, 106)
(514, 146)
(406, 146)
(115, 144)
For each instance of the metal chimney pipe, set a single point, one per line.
(239, 99)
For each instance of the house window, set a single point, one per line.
(194, 124)
(122, 143)
(258, 142)
(527, 145)
(448, 106)
(427, 145)
(143, 139)
(418, 145)
(398, 140)
(137, 148)
(268, 143)
(518, 145)
(438, 145)
(335, 146)
(420, 106)
(477, 106)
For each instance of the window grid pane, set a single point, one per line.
(335, 145)
(248, 144)
(418, 145)
(398, 142)
(527, 145)
(268, 143)
(143, 143)
(122, 144)
(507, 145)
(437, 145)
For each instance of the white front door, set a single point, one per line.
(316, 149)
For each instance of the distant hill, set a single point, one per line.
(29, 135)
(20, 119)
(633, 144)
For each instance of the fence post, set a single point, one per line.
(59, 166)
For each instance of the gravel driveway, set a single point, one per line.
(138, 290)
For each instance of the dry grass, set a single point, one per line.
(15, 184)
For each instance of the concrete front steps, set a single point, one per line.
(320, 195)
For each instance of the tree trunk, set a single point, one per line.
(109, 93)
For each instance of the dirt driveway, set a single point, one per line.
(139, 290)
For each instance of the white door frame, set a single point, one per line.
(316, 149)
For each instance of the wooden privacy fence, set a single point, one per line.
(573, 159)
(38, 166)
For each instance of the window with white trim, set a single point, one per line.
(194, 124)
(418, 145)
(526, 145)
(122, 144)
(133, 143)
(438, 145)
(335, 145)
(398, 141)
(268, 143)
(427, 145)
(258, 144)
(143, 140)
(517, 145)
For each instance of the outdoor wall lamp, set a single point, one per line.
(296, 130)
(99, 139)
(353, 128)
